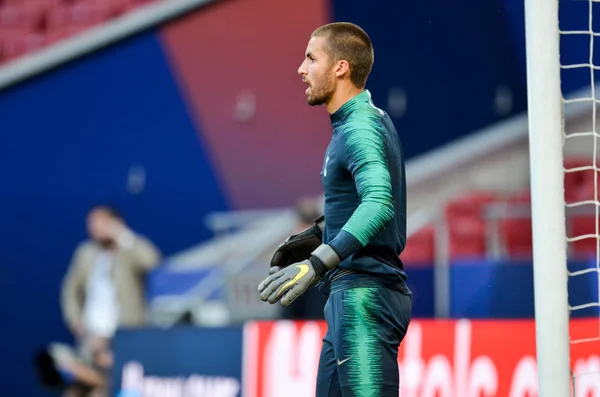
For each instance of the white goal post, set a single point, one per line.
(545, 112)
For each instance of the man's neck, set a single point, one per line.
(342, 95)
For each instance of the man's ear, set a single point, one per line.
(341, 68)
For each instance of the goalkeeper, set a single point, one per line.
(354, 248)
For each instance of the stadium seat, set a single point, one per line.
(466, 224)
(420, 248)
(24, 44)
(516, 233)
(25, 16)
(3, 54)
(12, 16)
(37, 23)
(580, 226)
(75, 17)
(579, 185)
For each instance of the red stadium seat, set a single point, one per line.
(23, 44)
(25, 16)
(58, 35)
(516, 233)
(466, 224)
(4, 3)
(56, 19)
(580, 226)
(75, 17)
(420, 248)
(3, 54)
(579, 185)
(12, 17)
(115, 8)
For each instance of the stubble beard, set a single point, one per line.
(322, 95)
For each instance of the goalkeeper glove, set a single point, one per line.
(289, 283)
(298, 247)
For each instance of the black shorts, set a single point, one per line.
(366, 323)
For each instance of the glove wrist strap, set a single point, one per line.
(318, 266)
(327, 256)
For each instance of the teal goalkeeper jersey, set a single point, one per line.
(363, 179)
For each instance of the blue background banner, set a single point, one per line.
(178, 362)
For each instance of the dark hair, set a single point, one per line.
(349, 42)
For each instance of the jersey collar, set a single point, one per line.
(340, 115)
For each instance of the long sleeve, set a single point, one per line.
(144, 255)
(367, 162)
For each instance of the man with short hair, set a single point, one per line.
(354, 249)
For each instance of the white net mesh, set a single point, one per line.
(579, 49)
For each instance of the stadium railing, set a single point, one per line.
(225, 270)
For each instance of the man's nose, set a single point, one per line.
(301, 70)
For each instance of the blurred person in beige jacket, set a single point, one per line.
(104, 288)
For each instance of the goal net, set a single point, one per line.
(563, 52)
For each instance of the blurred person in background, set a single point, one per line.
(104, 288)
